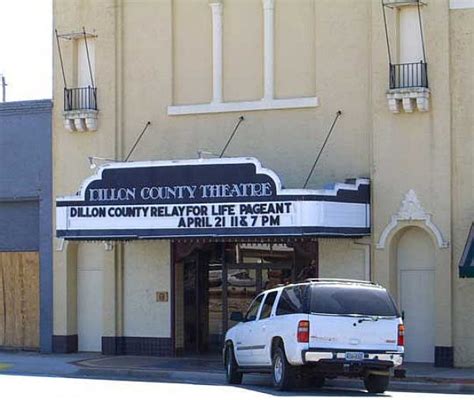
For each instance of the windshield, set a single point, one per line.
(332, 299)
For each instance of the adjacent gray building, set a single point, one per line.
(26, 284)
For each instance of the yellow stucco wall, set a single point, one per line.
(147, 271)
(462, 98)
(342, 258)
(151, 54)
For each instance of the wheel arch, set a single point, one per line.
(277, 341)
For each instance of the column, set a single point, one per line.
(216, 8)
(269, 38)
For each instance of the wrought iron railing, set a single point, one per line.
(84, 98)
(408, 75)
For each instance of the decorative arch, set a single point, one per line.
(411, 212)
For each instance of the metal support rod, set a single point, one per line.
(338, 114)
(88, 58)
(4, 89)
(241, 118)
(225, 291)
(61, 58)
(386, 33)
(138, 140)
(421, 32)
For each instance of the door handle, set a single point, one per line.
(403, 315)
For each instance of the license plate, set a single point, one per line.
(354, 356)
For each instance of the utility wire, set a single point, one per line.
(338, 114)
(241, 118)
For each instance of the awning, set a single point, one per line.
(207, 198)
(466, 264)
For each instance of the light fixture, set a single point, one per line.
(200, 153)
(93, 159)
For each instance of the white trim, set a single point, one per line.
(216, 52)
(411, 210)
(268, 49)
(459, 4)
(257, 105)
(268, 102)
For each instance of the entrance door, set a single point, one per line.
(89, 297)
(195, 307)
(216, 279)
(416, 263)
(417, 299)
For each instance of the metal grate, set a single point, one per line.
(80, 99)
(409, 75)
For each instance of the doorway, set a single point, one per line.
(416, 277)
(195, 304)
(214, 279)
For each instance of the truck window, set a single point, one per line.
(253, 309)
(333, 299)
(268, 305)
(293, 300)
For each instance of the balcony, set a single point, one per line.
(80, 99)
(411, 75)
(80, 109)
(408, 87)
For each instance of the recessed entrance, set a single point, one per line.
(214, 279)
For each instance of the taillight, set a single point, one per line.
(303, 332)
(401, 335)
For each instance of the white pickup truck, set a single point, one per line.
(304, 333)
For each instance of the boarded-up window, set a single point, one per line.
(19, 300)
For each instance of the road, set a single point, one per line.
(51, 388)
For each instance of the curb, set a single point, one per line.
(218, 378)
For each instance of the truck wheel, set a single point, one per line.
(232, 374)
(283, 373)
(376, 383)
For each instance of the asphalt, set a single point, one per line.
(208, 370)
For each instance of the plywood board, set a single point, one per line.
(19, 299)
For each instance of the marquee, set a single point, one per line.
(228, 197)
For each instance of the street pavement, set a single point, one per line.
(51, 388)
(207, 374)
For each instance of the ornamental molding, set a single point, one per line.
(411, 210)
(408, 100)
(80, 120)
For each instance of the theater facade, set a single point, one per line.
(184, 133)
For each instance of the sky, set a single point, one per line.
(25, 48)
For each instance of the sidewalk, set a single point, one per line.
(209, 370)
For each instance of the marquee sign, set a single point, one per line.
(207, 198)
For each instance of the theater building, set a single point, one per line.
(164, 228)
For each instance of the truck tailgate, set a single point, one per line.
(353, 332)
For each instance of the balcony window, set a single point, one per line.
(80, 100)
(408, 70)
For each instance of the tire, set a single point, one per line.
(283, 373)
(232, 374)
(376, 383)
